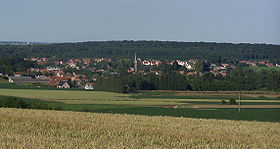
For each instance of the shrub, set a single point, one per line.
(232, 102)
(224, 102)
(13, 102)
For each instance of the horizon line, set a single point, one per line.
(182, 41)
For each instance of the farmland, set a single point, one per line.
(154, 119)
(147, 99)
(255, 106)
(58, 129)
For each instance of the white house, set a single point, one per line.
(88, 86)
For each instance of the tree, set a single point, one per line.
(199, 66)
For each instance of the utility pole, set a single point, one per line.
(239, 107)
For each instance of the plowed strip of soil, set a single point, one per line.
(236, 106)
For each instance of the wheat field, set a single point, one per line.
(58, 129)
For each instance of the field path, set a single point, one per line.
(236, 106)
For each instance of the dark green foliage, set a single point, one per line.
(215, 52)
(232, 102)
(200, 66)
(14, 102)
(5, 84)
(224, 102)
(169, 81)
(113, 84)
(172, 81)
(270, 115)
(236, 80)
(14, 64)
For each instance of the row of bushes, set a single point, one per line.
(231, 102)
(14, 102)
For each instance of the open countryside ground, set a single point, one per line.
(156, 103)
(58, 129)
(143, 99)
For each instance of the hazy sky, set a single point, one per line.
(250, 21)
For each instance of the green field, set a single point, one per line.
(179, 104)
(145, 99)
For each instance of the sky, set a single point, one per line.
(235, 21)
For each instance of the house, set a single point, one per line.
(189, 67)
(146, 62)
(28, 79)
(225, 65)
(169, 62)
(193, 61)
(130, 70)
(247, 62)
(49, 68)
(191, 73)
(63, 84)
(72, 65)
(86, 61)
(262, 62)
(182, 63)
(43, 71)
(17, 74)
(89, 86)
(34, 69)
(269, 64)
(221, 68)
(59, 62)
(181, 71)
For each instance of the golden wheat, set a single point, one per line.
(57, 129)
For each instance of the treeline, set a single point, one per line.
(14, 102)
(214, 52)
(14, 64)
(236, 80)
(112, 84)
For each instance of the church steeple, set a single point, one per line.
(135, 63)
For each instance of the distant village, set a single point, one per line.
(83, 73)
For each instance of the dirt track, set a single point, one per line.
(236, 106)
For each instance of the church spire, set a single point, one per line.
(135, 63)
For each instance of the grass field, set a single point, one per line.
(57, 129)
(143, 99)
(156, 103)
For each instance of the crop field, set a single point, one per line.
(22, 128)
(63, 95)
(145, 99)
(254, 106)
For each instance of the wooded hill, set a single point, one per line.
(213, 52)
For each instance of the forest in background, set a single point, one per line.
(214, 52)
